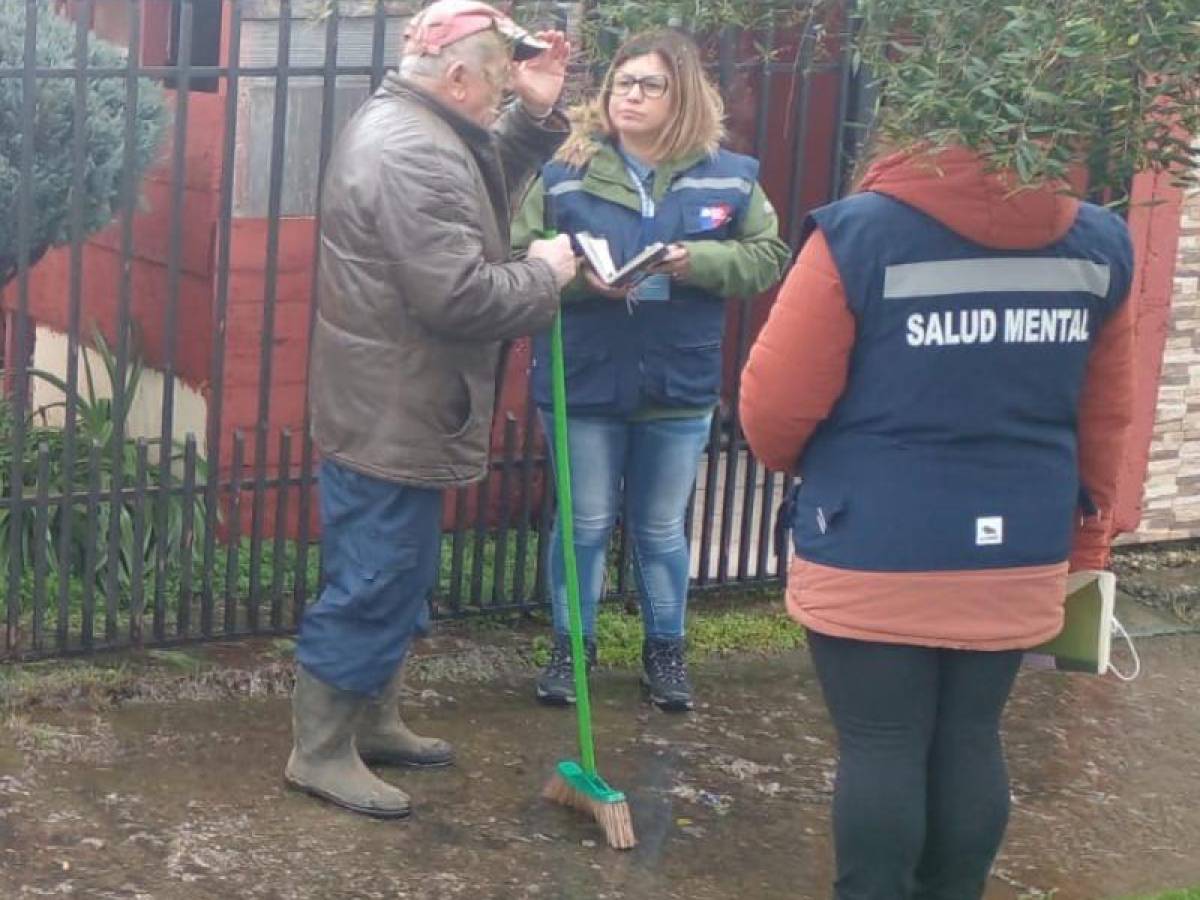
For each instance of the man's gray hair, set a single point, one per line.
(477, 51)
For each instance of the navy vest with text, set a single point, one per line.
(953, 446)
(663, 353)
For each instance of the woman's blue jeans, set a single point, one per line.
(655, 462)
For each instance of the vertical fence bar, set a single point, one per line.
(458, 550)
(762, 560)
(20, 384)
(796, 200)
(727, 60)
(525, 504)
(212, 487)
(41, 540)
(187, 538)
(761, 136)
(762, 119)
(847, 89)
(728, 494)
(500, 562)
(79, 134)
(120, 401)
(781, 552)
(689, 521)
(856, 126)
(483, 494)
(88, 626)
(765, 523)
(112, 569)
(545, 531)
(751, 469)
(328, 108)
(137, 575)
(733, 454)
(378, 43)
(279, 549)
(234, 533)
(166, 448)
(270, 298)
(712, 462)
(625, 551)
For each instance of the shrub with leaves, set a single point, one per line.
(97, 424)
(624, 17)
(55, 130)
(1038, 85)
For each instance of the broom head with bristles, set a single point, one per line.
(572, 786)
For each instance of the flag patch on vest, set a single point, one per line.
(709, 218)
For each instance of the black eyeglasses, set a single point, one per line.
(653, 86)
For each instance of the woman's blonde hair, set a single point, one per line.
(697, 120)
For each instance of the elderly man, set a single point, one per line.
(416, 295)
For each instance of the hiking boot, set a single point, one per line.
(556, 684)
(383, 738)
(324, 761)
(664, 674)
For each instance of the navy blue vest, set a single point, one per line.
(664, 353)
(953, 446)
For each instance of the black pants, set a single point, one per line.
(921, 800)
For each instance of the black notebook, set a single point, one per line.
(599, 256)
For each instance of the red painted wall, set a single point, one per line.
(289, 357)
(50, 285)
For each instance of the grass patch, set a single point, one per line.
(232, 575)
(1184, 894)
(710, 632)
(281, 648)
(23, 686)
(491, 574)
(718, 623)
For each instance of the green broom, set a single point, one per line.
(578, 784)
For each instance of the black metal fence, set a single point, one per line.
(157, 475)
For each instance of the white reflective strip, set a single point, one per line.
(565, 187)
(987, 276)
(714, 184)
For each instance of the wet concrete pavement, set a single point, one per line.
(184, 800)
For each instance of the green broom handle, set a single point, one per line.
(566, 519)
(566, 530)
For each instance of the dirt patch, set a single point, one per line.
(183, 800)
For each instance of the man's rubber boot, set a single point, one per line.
(324, 761)
(383, 739)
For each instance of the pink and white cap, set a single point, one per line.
(443, 23)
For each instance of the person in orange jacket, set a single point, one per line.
(948, 369)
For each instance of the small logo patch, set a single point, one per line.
(714, 216)
(989, 531)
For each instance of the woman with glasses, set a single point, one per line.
(643, 165)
